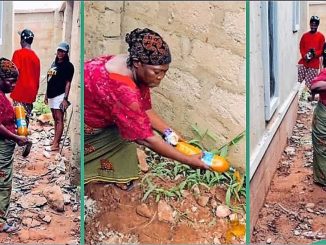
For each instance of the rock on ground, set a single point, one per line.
(55, 198)
(165, 212)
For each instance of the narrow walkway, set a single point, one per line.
(295, 208)
(43, 203)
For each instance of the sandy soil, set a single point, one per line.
(295, 207)
(117, 221)
(32, 176)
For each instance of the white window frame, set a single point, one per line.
(296, 16)
(1, 21)
(271, 103)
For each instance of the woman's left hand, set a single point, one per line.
(64, 105)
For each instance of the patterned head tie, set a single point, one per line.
(147, 47)
(7, 69)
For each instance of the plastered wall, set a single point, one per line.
(7, 25)
(205, 84)
(288, 43)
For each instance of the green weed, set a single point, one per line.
(169, 179)
(39, 108)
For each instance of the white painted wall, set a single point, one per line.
(261, 132)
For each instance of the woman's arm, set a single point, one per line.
(318, 87)
(46, 99)
(7, 134)
(65, 103)
(67, 89)
(159, 146)
(157, 122)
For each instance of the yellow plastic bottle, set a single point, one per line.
(187, 149)
(21, 120)
(215, 162)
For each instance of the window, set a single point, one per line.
(296, 16)
(1, 21)
(270, 57)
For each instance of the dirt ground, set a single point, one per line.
(52, 218)
(295, 207)
(115, 216)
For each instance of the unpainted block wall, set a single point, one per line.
(318, 9)
(205, 84)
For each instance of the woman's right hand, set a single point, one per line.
(46, 100)
(157, 144)
(196, 162)
(21, 140)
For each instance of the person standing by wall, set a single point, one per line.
(318, 86)
(118, 110)
(8, 139)
(311, 49)
(28, 65)
(59, 79)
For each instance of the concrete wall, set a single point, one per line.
(74, 25)
(7, 27)
(206, 80)
(319, 8)
(268, 139)
(103, 28)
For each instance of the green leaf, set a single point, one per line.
(208, 176)
(199, 145)
(149, 191)
(194, 141)
(216, 152)
(182, 185)
(213, 137)
(205, 134)
(196, 130)
(237, 195)
(224, 151)
(228, 197)
(228, 175)
(178, 193)
(238, 138)
(169, 194)
(240, 184)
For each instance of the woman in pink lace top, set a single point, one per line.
(118, 111)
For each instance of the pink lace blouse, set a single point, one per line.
(7, 114)
(112, 98)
